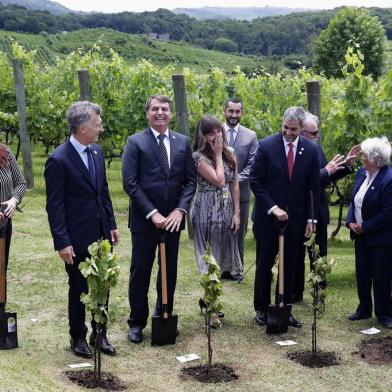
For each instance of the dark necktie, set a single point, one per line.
(290, 159)
(163, 152)
(231, 138)
(91, 167)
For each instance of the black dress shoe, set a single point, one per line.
(135, 335)
(359, 316)
(81, 348)
(261, 318)
(226, 275)
(293, 322)
(386, 324)
(106, 347)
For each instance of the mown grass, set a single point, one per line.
(38, 290)
(130, 46)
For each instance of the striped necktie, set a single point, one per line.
(163, 152)
(231, 137)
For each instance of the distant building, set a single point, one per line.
(162, 37)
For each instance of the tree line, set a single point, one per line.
(291, 34)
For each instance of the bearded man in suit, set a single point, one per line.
(80, 211)
(284, 172)
(159, 177)
(243, 141)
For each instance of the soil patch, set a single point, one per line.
(376, 351)
(85, 378)
(322, 359)
(218, 372)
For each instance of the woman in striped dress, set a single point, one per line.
(12, 188)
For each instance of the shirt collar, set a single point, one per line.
(79, 147)
(156, 133)
(235, 128)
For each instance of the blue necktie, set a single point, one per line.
(91, 166)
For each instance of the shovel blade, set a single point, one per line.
(8, 332)
(278, 319)
(164, 330)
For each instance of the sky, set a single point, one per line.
(152, 5)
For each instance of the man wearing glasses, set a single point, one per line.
(339, 167)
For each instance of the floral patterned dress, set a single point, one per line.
(211, 214)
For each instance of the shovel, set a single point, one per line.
(8, 331)
(164, 327)
(278, 315)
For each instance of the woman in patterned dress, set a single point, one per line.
(12, 188)
(215, 212)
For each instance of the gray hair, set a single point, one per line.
(295, 113)
(377, 150)
(310, 117)
(80, 112)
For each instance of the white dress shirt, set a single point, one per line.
(358, 198)
(80, 149)
(235, 133)
(166, 141)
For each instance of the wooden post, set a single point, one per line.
(25, 143)
(314, 101)
(181, 104)
(182, 120)
(84, 85)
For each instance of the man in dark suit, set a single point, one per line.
(244, 143)
(330, 172)
(159, 177)
(79, 211)
(284, 171)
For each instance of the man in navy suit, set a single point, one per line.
(160, 179)
(338, 167)
(79, 211)
(284, 172)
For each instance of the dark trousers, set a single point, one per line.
(244, 217)
(373, 267)
(76, 309)
(144, 247)
(321, 240)
(267, 245)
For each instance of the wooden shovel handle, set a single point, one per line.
(162, 252)
(281, 268)
(2, 272)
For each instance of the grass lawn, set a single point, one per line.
(37, 290)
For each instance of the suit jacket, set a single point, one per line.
(245, 145)
(376, 208)
(146, 183)
(78, 212)
(271, 185)
(325, 181)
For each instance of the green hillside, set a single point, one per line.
(131, 47)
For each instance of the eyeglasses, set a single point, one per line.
(314, 133)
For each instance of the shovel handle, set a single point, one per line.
(281, 269)
(2, 272)
(162, 252)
